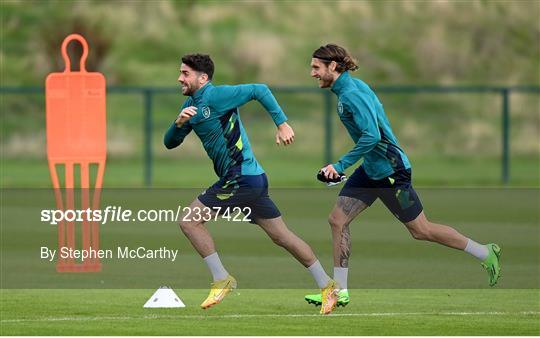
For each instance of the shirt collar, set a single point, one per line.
(199, 93)
(341, 82)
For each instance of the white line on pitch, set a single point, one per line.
(374, 314)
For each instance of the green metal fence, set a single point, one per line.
(148, 94)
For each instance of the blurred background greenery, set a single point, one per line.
(452, 139)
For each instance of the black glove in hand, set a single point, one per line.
(331, 181)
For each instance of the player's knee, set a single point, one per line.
(279, 240)
(335, 222)
(418, 235)
(420, 232)
(187, 225)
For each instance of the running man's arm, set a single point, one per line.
(229, 97)
(365, 118)
(175, 135)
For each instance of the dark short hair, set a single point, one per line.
(332, 52)
(200, 63)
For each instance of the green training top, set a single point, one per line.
(363, 115)
(218, 125)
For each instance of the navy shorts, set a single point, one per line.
(395, 191)
(244, 191)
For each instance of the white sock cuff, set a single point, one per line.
(477, 250)
(216, 267)
(317, 271)
(340, 275)
(211, 257)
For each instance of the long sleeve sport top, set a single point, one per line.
(364, 118)
(218, 125)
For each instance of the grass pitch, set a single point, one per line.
(399, 286)
(272, 312)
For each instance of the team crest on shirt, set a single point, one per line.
(340, 108)
(206, 112)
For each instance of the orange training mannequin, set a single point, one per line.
(76, 137)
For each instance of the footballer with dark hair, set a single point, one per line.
(212, 113)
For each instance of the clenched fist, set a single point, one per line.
(185, 115)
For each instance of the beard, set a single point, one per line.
(326, 81)
(188, 89)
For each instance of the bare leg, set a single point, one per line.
(281, 235)
(196, 232)
(422, 229)
(345, 210)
